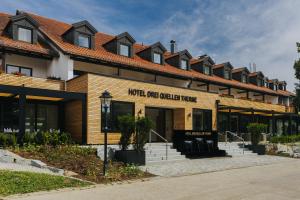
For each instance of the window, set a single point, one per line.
(244, 78)
(259, 81)
(202, 120)
(124, 50)
(206, 70)
(25, 34)
(184, 64)
(227, 74)
(10, 69)
(157, 58)
(116, 110)
(84, 41)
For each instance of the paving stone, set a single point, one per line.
(194, 166)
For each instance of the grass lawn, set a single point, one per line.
(83, 161)
(12, 182)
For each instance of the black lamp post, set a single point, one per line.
(105, 104)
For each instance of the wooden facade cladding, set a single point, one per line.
(94, 85)
(32, 82)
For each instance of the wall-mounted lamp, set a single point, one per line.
(140, 112)
(189, 115)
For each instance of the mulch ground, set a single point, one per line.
(84, 162)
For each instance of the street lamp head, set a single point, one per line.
(105, 98)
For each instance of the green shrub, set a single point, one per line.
(65, 138)
(11, 140)
(256, 129)
(127, 127)
(42, 138)
(285, 139)
(8, 139)
(143, 127)
(3, 140)
(29, 138)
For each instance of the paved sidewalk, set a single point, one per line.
(278, 181)
(196, 166)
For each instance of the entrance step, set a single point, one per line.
(156, 152)
(235, 149)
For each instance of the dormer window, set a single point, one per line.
(157, 58)
(81, 34)
(124, 50)
(244, 78)
(184, 64)
(122, 45)
(153, 53)
(84, 40)
(22, 27)
(25, 34)
(206, 70)
(227, 74)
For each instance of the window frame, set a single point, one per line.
(227, 71)
(160, 57)
(26, 28)
(244, 78)
(204, 113)
(187, 63)
(19, 67)
(129, 50)
(206, 67)
(112, 128)
(87, 36)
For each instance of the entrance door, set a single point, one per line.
(163, 122)
(234, 123)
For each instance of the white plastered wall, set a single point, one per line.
(38, 66)
(61, 67)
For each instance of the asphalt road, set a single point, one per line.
(279, 181)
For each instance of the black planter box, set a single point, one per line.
(131, 157)
(259, 149)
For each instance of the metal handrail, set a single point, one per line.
(161, 137)
(238, 137)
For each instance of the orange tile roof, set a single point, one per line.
(6, 42)
(238, 69)
(54, 30)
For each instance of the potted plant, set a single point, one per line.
(256, 129)
(127, 125)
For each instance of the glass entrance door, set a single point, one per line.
(163, 122)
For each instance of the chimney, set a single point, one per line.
(173, 46)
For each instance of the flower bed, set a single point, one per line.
(83, 161)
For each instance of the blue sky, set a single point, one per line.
(242, 32)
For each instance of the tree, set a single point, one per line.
(297, 75)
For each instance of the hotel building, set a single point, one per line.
(52, 74)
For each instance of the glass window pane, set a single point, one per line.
(202, 120)
(11, 69)
(157, 58)
(26, 71)
(84, 40)
(117, 109)
(25, 35)
(226, 74)
(124, 50)
(9, 116)
(184, 64)
(30, 118)
(206, 70)
(47, 116)
(244, 79)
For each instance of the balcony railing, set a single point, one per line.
(33, 82)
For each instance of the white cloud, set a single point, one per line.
(263, 32)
